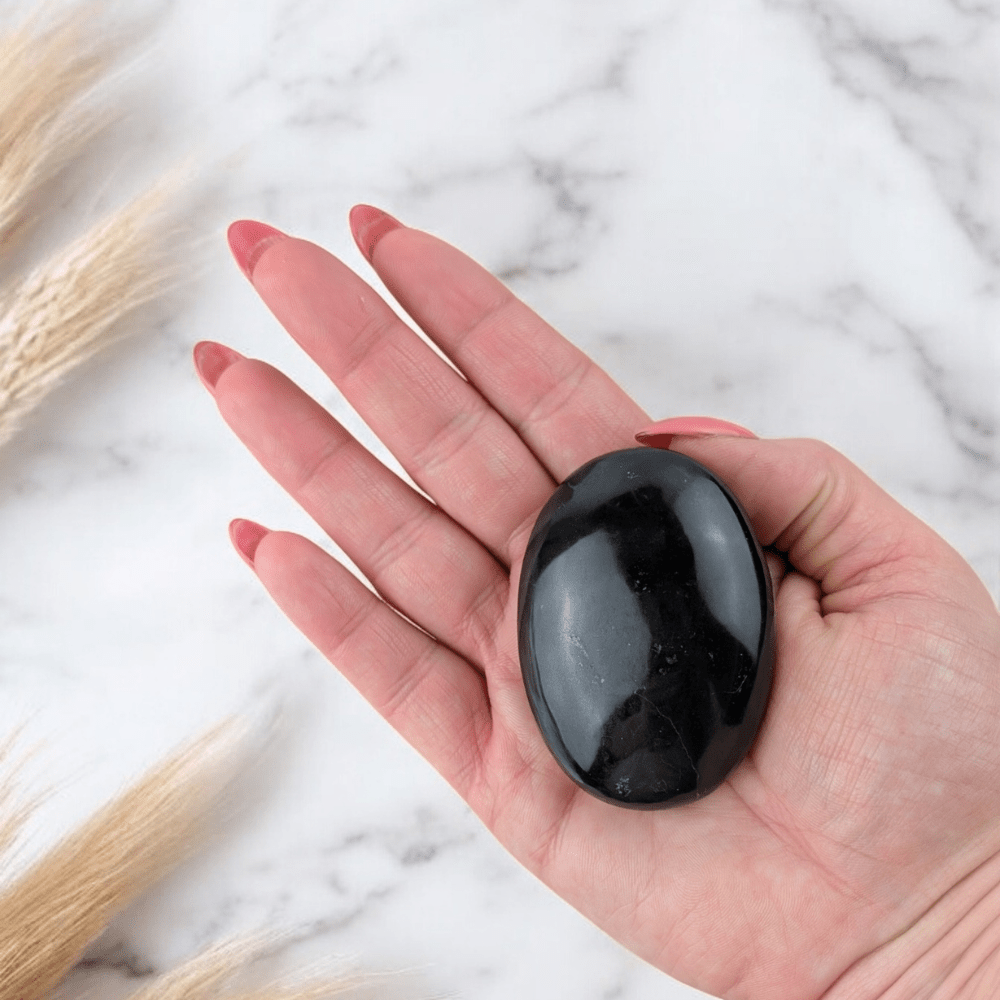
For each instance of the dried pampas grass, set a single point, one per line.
(61, 313)
(72, 306)
(51, 912)
(204, 978)
(48, 64)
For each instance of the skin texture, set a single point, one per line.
(861, 833)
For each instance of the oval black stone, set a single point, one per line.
(645, 628)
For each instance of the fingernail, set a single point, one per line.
(248, 240)
(211, 360)
(369, 225)
(660, 434)
(246, 536)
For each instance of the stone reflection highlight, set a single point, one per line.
(645, 628)
(588, 618)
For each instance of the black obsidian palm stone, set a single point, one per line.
(645, 628)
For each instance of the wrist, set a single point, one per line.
(952, 952)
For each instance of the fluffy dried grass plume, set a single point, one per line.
(48, 64)
(205, 977)
(62, 312)
(51, 912)
(73, 305)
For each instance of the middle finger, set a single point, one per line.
(453, 444)
(418, 560)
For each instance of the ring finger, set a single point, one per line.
(417, 558)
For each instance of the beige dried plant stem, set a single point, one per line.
(45, 71)
(63, 312)
(70, 307)
(51, 912)
(205, 977)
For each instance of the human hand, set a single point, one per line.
(855, 852)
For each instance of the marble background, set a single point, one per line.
(780, 212)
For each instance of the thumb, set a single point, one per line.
(831, 521)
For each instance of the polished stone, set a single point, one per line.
(645, 628)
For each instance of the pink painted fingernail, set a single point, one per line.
(248, 240)
(246, 536)
(369, 225)
(211, 360)
(660, 434)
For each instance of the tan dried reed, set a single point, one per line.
(60, 314)
(72, 306)
(206, 977)
(48, 64)
(51, 912)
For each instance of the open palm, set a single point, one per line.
(868, 799)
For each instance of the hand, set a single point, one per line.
(846, 856)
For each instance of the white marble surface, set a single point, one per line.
(781, 213)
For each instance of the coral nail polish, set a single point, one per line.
(369, 225)
(248, 240)
(211, 360)
(660, 434)
(246, 536)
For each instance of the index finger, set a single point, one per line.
(564, 406)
